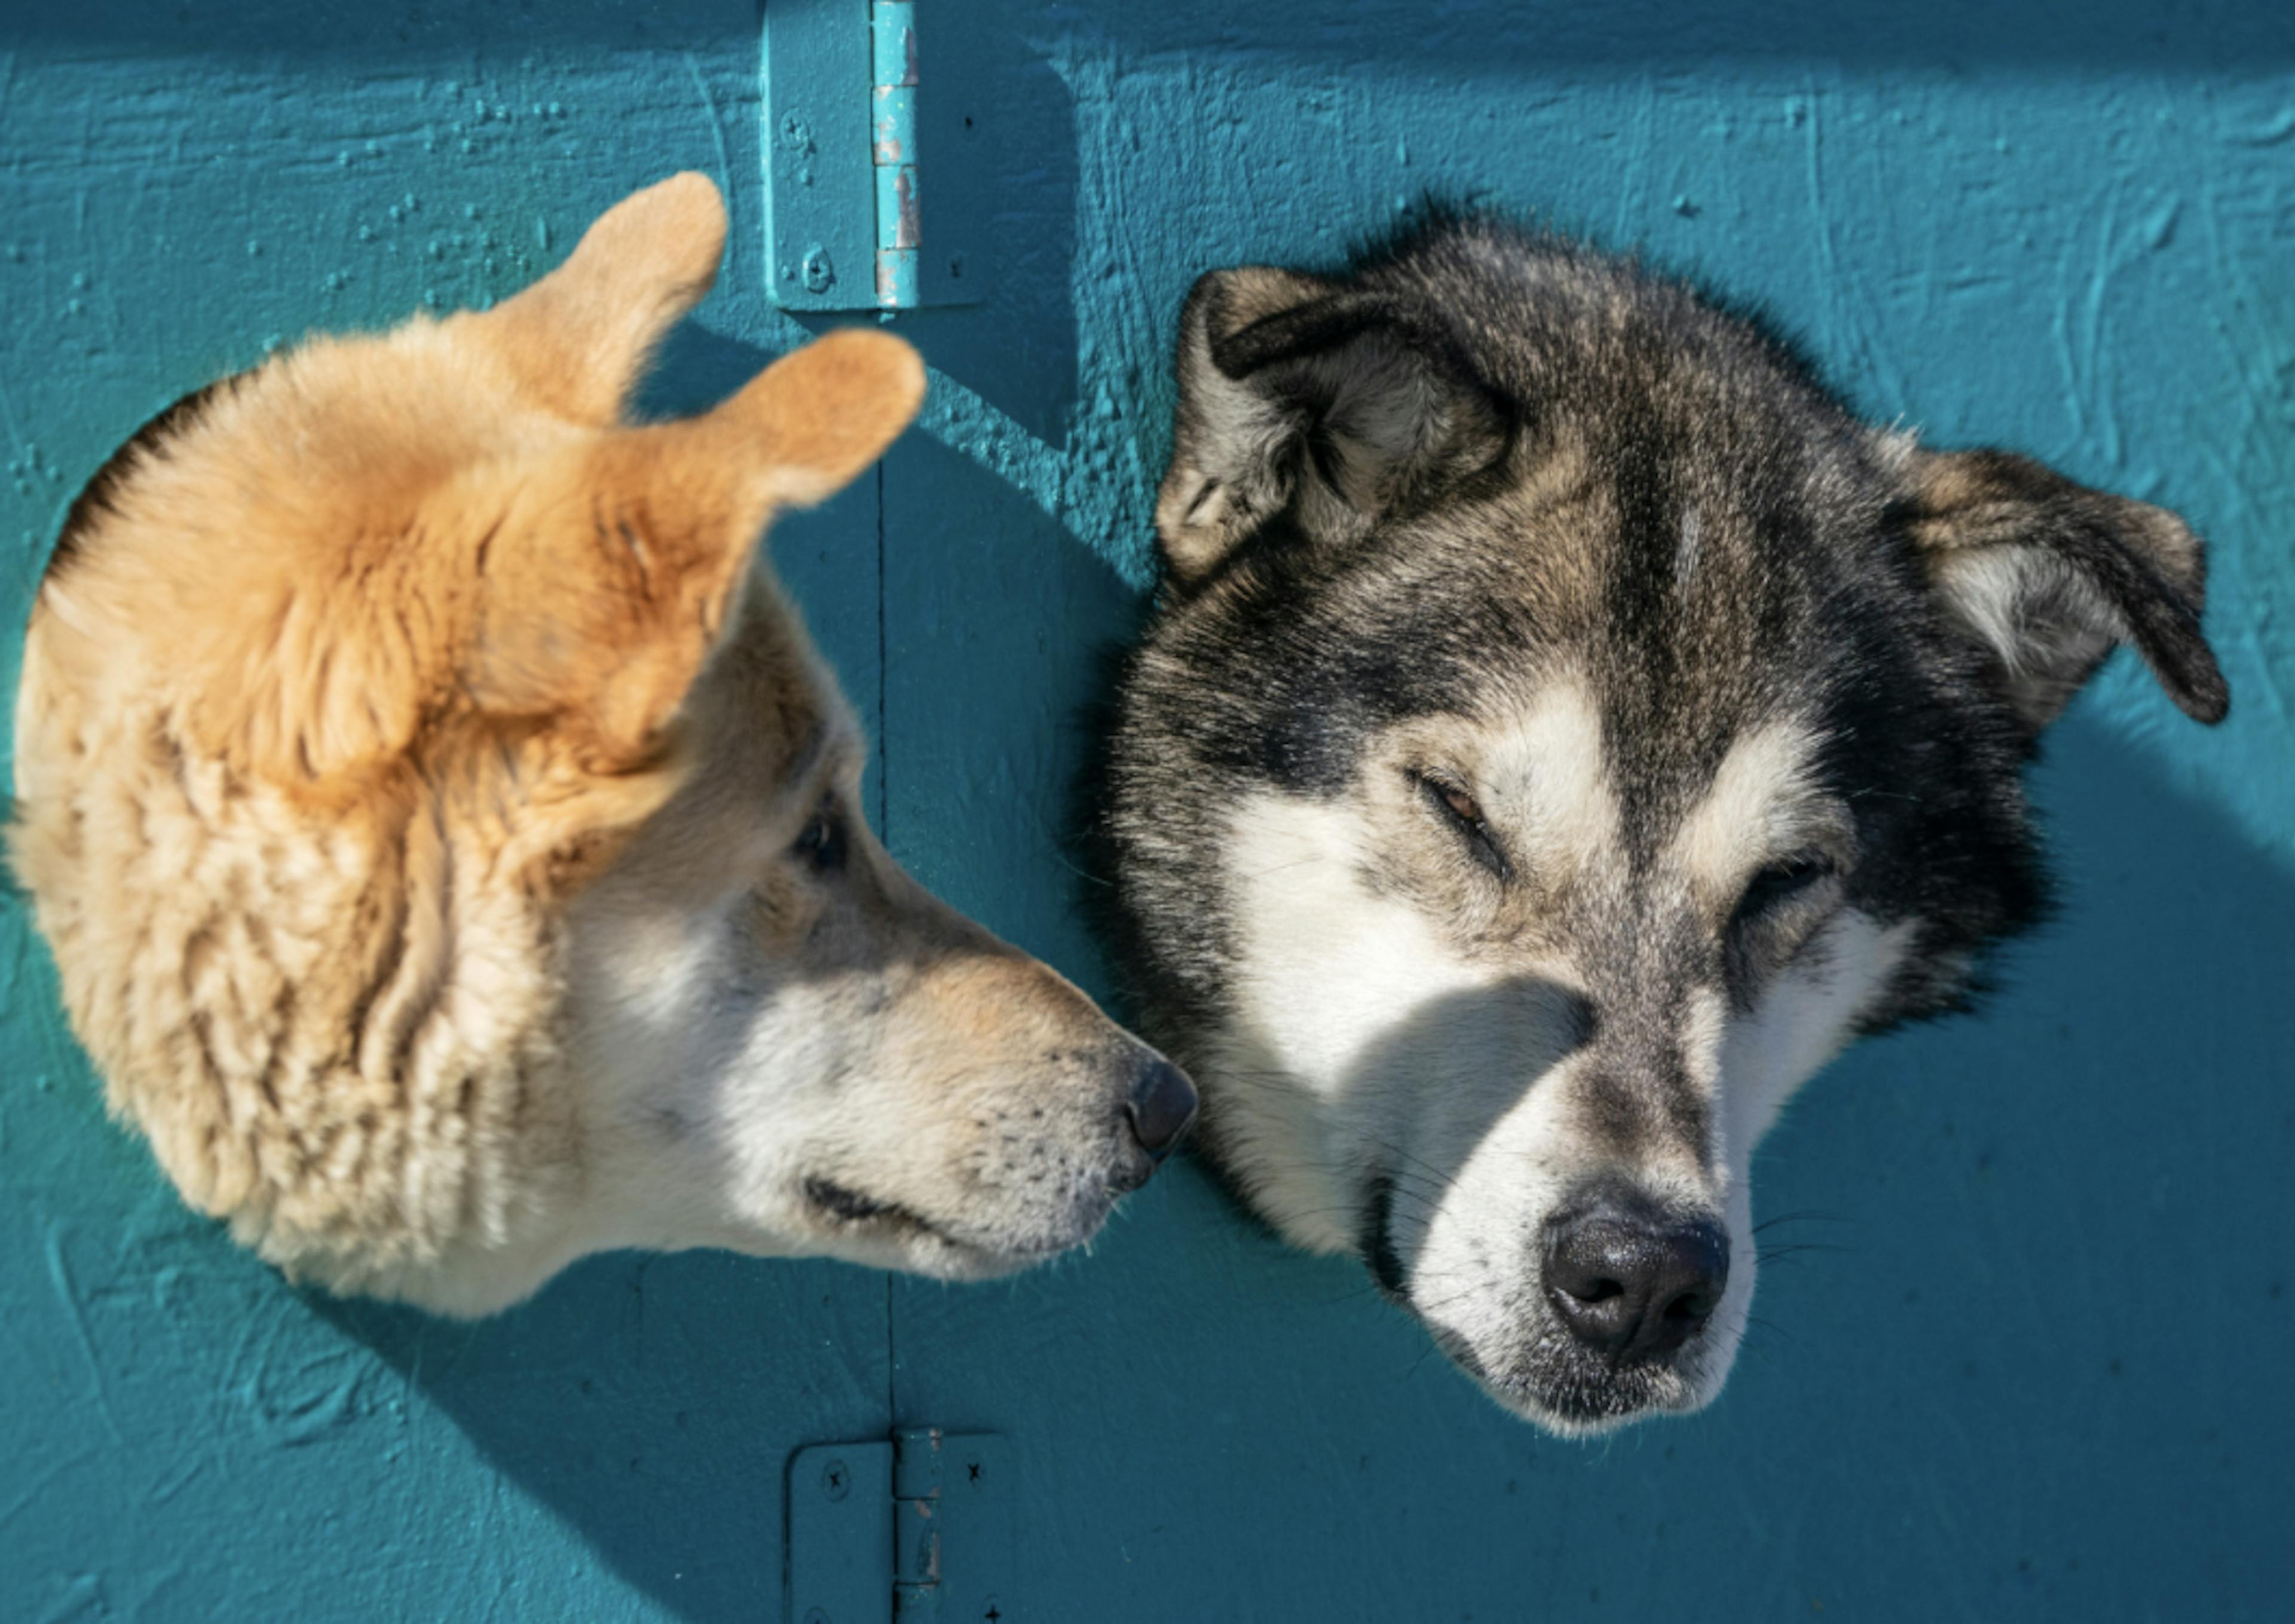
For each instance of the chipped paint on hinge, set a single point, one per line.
(844, 176)
(919, 1528)
(893, 148)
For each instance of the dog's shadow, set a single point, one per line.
(652, 1403)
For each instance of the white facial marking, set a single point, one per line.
(1705, 1027)
(1329, 966)
(1549, 771)
(1327, 969)
(1754, 809)
(1803, 1019)
(1366, 1046)
(1473, 1264)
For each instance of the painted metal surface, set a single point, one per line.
(953, 1545)
(893, 149)
(841, 1531)
(846, 219)
(916, 1527)
(820, 185)
(2040, 1374)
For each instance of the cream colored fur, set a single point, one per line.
(417, 786)
(1385, 1019)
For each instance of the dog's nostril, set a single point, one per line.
(1162, 1106)
(1632, 1284)
(1694, 1307)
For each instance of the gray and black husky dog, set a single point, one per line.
(1561, 727)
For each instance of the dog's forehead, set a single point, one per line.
(768, 711)
(1687, 525)
(1520, 628)
(1546, 758)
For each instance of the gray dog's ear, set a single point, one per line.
(2048, 575)
(1299, 394)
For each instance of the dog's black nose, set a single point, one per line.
(1162, 1108)
(1635, 1285)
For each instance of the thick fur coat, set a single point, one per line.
(1561, 727)
(448, 839)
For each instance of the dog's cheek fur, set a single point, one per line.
(702, 1049)
(1324, 966)
(1802, 1019)
(840, 1031)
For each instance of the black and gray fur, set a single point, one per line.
(1482, 492)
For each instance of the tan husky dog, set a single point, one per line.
(450, 841)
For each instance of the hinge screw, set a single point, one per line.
(797, 134)
(819, 273)
(836, 1482)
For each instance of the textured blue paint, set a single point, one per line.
(181, 1435)
(2043, 1377)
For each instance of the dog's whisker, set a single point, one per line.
(1809, 1216)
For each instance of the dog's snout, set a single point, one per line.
(1162, 1106)
(1635, 1285)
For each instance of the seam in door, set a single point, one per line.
(884, 833)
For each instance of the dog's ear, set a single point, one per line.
(579, 339)
(2048, 575)
(579, 590)
(605, 589)
(1301, 396)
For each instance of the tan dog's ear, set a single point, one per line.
(602, 598)
(579, 339)
(583, 589)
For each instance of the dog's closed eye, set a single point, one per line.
(1783, 881)
(1464, 813)
(821, 845)
(1779, 914)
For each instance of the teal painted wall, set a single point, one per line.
(2043, 1373)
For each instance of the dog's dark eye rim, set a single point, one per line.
(821, 844)
(1464, 813)
(1782, 881)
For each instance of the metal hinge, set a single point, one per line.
(916, 1527)
(848, 118)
